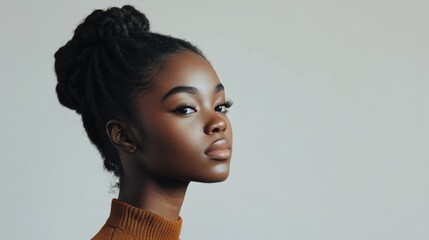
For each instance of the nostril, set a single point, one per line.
(218, 126)
(219, 129)
(216, 130)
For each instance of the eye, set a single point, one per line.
(184, 110)
(224, 106)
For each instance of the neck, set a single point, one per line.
(163, 196)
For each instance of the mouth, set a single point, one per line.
(219, 150)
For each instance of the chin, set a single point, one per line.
(218, 177)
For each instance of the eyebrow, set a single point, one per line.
(190, 90)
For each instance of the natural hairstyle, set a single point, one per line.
(111, 57)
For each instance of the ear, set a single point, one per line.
(121, 136)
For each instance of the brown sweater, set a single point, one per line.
(132, 223)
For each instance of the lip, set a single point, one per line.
(219, 149)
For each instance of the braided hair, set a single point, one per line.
(110, 58)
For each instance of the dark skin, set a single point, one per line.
(172, 152)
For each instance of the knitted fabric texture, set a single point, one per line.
(132, 223)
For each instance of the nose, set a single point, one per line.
(216, 124)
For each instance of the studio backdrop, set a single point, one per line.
(330, 121)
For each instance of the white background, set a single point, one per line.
(330, 121)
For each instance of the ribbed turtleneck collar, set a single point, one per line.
(142, 223)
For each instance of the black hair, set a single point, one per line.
(111, 57)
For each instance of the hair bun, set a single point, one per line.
(121, 22)
(73, 59)
(111, 23)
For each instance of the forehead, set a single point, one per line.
(186, 69)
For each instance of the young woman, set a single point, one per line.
(156, 111)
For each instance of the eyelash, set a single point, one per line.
(228, 103)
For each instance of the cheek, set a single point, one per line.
(177, 135)
(175, 147)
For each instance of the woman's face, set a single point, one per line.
(180, 124)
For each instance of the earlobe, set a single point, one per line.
(119, 136)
